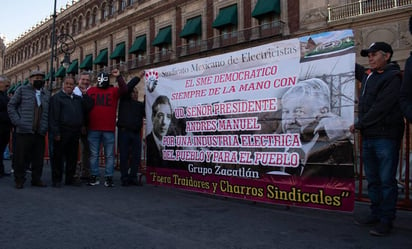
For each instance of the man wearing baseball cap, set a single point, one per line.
(28, 111)
(381, 125)
(377, 46)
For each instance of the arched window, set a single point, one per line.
(67, 29)
(88, 19)
(93, 17)
(112, 8)
(74, 27)
(104, 12)
(122, 5)
(80, 24)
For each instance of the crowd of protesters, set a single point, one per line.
(88, 114)
(82, 114)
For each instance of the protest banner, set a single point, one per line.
(267, 123)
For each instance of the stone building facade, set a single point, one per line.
(134, 35)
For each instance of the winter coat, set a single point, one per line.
(379, 113)
(21, 109)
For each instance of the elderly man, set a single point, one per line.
(381, 125)
(66, 120)
(326, 147)
(5, 124)
(29, 112)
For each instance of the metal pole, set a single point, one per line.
(53, 49)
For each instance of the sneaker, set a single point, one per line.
(109, 181)
(369, 220)
(381, 229)
(93, 180)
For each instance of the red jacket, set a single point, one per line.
(102, 116)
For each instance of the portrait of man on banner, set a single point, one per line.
(326, 147)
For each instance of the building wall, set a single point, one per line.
(147, 17)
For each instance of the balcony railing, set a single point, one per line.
(266, 30)
(363, 7)
(263, 31)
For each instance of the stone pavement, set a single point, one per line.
(162, 218)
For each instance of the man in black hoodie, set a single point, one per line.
(129, 123)
(381, 125)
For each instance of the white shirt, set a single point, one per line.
(38, 100)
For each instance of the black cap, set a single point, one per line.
(377, 46)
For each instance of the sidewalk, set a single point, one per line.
(162, 218)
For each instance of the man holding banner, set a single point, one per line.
(381, 125)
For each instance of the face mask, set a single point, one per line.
(38, 84)
(103, 80)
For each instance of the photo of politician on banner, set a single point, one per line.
(268, 123)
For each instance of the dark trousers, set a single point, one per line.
(65, 151)
(29, 149)
(4, 140)
(85, 169)
(130, 148)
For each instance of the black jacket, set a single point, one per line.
(131, 112)
(5, 123)
(67, 112)
(379, 113)
(405, 98)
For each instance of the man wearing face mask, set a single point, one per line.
(102, 124)
(28, 111)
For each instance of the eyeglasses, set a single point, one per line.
(7, 85)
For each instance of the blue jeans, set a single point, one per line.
(130, 148)
(381, 157)
(107, 138)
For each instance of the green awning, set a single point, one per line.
(138, 45)
(119, 51)
(264, 7)
(192, 27)
(164, 36)
(87, 63)
(12, 89)
(26, 81)
(101, 58)
(74, 67)
(61, 73)
(227, 16)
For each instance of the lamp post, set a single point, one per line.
(67, 46)
(53, 48)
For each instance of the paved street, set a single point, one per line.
(162, 218)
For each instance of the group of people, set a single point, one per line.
(82, 113)
(88, 113)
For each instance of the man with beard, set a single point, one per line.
(326, 149)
